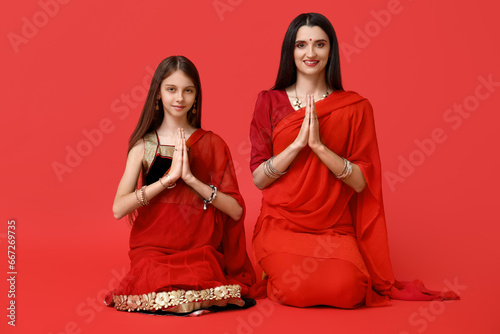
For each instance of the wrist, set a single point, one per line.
(318, 148)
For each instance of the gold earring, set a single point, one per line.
(194, 107)
(157, 105)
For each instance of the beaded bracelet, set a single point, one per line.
(212, 197)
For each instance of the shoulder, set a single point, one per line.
(136, 153)
(359, 103)
(213, 139)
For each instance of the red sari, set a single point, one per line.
(318, 240)
(185, 258)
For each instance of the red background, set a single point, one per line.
(65, 76)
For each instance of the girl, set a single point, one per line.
(187, 244)
(321, 236)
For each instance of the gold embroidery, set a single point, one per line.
(150, 146)
(179, 300)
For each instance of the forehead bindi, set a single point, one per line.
(306, 33)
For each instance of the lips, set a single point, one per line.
(311, 63)
(178, 108)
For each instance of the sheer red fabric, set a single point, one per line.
(176, 245)
(310, 215)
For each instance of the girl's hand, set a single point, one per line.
(187, 176)
(302, 138)
(314, 140)
(175, 171)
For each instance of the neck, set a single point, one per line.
(308, 84)
(170, 124)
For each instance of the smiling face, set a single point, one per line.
(312, 50)
(177, 93)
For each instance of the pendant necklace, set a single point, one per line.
(297, 104)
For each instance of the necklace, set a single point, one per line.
(297, 104)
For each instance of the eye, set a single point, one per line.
(320, 44)
(189, 90)
(170, 89)
(300, 45)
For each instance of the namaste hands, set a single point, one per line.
(180, 161)
(309, 131)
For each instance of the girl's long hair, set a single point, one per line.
(150, 118)
(287, 72)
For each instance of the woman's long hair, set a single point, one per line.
(287, 72)
(150, 118)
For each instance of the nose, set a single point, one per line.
(311, 52)
(179, 97)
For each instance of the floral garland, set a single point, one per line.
(162, 300)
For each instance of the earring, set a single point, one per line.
(157, 105)
(194, 107)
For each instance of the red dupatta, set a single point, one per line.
(311, 197)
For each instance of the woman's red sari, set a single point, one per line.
(308, 212)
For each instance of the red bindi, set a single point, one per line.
(310, 39)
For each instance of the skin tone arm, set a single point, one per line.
(126, 201)
(309, 136)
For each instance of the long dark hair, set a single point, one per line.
(150, 118)
(287, 72)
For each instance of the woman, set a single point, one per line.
(187, 244)
(321, 237)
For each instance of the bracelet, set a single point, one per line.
(137, 197)
(270, 171)
(169, 182)
(212, 197)
(347, 170)
(144, 199)
(169, 186)
(164, 186)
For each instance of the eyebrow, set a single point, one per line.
(318, 40)
(167, 84)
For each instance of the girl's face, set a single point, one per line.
(312, 50)
(177, 93)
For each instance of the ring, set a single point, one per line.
(176, 149)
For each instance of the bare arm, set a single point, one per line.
(126, 199)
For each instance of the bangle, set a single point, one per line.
(270, 171)
(169, 182)
(347, 170)
(164, 186)
(137, 197)
(271, 167)
(212, 197)
(144, 199)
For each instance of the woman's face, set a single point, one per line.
(177, 92)
(312, 50)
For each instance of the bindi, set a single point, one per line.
(310, 39)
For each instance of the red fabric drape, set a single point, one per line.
(308, 204)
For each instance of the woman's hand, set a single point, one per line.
(302, 138)
(313, 140)
(175, 170)
(186, 175)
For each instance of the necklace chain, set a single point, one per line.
(297, 104)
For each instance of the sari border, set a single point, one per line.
(178, 301)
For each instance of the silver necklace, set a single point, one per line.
(297, 104)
